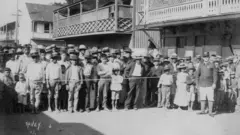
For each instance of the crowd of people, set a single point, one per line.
(77, 79)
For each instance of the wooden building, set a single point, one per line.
(190, 27)
(7, 34)
(100, 23)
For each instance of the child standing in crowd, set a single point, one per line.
(164, 87)
(191, 87)
(181, 93)
(63, 93)
(231, 93)
(116, 86)
(220, 91)
(21, 89)
(9, 92)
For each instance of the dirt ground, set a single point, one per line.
(141, 122)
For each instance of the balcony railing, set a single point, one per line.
(4, 36)
(42, 35)
(163, 11)
(97, 21)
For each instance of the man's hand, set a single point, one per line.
(67, 87)
(214, 86)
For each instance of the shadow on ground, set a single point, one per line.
(40, 124)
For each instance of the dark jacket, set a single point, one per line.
(206, 75)
(129, 69)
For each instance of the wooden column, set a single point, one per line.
(134, 23)
(116, 15)
(68, 21)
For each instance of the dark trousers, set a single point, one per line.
(103, 88)
(63, 98)
(88, 90)
(93, 95)
(135, 86)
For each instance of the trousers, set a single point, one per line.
(166, 90)
(35, 92)
(73, 95)
(103, 87)
(135, 86)
(89, 85)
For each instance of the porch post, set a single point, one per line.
(68, 21)
(134, 24)
(116, 15)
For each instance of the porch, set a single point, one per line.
(82, 19)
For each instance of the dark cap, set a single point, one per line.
(206, 54)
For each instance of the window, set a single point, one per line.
(46, 27)
(199, 41)
(181, 42)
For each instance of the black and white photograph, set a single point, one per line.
(119, 67)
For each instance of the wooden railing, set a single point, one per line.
(96, 16)
(42, 35)
(178, 10)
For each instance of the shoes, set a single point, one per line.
(97, 110)
(81, 111)
(126, 109)
(211, 114)
(106, 109)
(201, 113)
(87, 110)
(135, 108)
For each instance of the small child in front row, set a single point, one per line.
(164, 86)
(21, 89)
(116, 87)
(191, 87)
(232, 93)
(220, 91)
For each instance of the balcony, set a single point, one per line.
(164, 11)
(104, 20)
(47, 36)
(7, 36)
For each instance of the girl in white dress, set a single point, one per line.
(21, 89)
(181, 99)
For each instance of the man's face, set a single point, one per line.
(35, 59)
(205, 59)
(83, 51)
(111, 59)
(127, 55)
(54, 60)
(118, 56)
(138, 61)
(145, 59)
(7, 73)
(174, 60)
(26, 51)
(64, 56)
(156, 63)
(73, 62)
(216, 64)
(104, 60)
(42, 56)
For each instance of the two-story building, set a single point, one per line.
(190, 27)
(36, 25)
(7, 34)
(101, 23)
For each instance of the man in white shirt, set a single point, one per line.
(134, 72)
(35, 79)
(25, 59)
(53, 78)
(13, 64)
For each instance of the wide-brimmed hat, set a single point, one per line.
(181, 66)
(117, 51)
(19, 51)
(82, 47)
(48, 49)
(166, 67)
(188, 58)
(53, 46)
(174, 56)
(40, 47)
(105, 49)
(73, 57)
(206, 54)
(70, 45)
(127, 50)
(198, 57)
(54, 55)
(34, 53)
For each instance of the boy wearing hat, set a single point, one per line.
(164, 86)
(53, 81)
(104, 70)
(82, 49)
(231, 93)
(191, 86)
(155, 72)
(73, 81)
(88, 74)
(35, 77)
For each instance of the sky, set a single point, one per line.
(8, 7)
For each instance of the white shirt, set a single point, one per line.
(53, 71)
(116, 83)
(137, 70)
(24, 62)
(35, 71)
(13, 65)
(75, 73)
(21, 87)
(165, 79)
(87, 69)
(65, 63)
